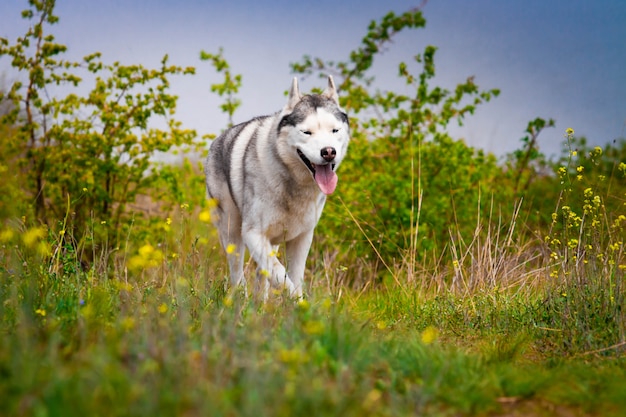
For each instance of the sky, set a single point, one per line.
(557, 59)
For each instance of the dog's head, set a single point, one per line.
(317, 130)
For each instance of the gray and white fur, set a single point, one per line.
(269, 177)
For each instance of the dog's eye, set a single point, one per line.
(335, 130)
(307, 132)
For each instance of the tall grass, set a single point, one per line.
(159, 334)
(508, 324)
(80, 345)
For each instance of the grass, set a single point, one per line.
(175, 343)
(504, 327)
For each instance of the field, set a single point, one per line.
(173, 341)
(446, 282)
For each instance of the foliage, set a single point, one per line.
(419, 180)
(527, 163)
(87, 158)
(230, 86)
(11, 194)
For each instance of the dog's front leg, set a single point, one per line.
(297, 252)
(268, 265)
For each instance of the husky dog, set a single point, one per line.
(269, 177)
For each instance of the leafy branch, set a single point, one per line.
(395, 115)
(229, 87)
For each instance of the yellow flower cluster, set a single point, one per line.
(572, 219)
(205, 215)
(148, 257)
(33, 238)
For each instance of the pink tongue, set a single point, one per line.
(326, 178)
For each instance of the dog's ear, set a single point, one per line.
(294, 96)
(331, 91)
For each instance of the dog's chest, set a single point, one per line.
(285, 220)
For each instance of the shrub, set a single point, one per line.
(406, 182)
(86, 159)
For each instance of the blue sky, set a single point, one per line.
(549, 58)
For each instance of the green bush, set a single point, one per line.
(87, 159)
(406, 183)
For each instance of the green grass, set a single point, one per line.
(80, 344)
(152, 330)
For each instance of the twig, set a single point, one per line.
(620, 344)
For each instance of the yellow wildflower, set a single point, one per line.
(289, 355)
(32, 236)
(212, 203)
(313, 327)
(6, 235)
(146, 250)
(128, 323)
(205, 216)
(148, 257)
(429, 335)
(304, 305)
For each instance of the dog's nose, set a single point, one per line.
(328, 153)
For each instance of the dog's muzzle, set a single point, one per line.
(328, 154)
(323, 174)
